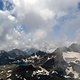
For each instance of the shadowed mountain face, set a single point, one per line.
(19, 65)
(75, 47)
(39, 53)
(17, 52)
(13, 56)
(4, 57)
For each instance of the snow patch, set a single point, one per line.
(71, 56)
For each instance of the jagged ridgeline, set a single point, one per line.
(32, 64)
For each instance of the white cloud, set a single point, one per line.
(38, 35)
(46, 14)
(38, 18)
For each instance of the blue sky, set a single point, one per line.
(1, 5)
(31, 23)
(57, 30)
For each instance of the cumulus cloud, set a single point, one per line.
(31, 23)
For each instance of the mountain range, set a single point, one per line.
(61, 64)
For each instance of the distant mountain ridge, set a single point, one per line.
(17, 53)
